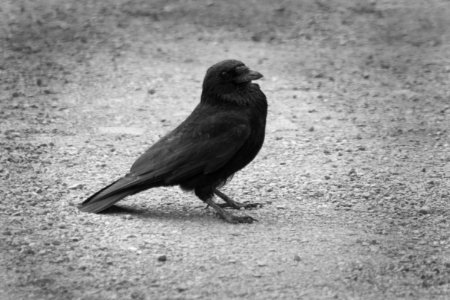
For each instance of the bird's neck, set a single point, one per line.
(250, 95)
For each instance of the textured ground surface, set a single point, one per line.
(354, 175)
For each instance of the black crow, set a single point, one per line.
(221, 136)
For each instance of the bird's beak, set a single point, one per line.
(248, 76)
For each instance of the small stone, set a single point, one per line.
(137, 295)
(424, 210)
(162, 258)
(28, 252)
(261, 264)
(256, 37)
(297, 258)
(76, 186)
(182, 288)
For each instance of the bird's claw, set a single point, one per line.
(252, 205)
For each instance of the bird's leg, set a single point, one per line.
(227, 216)
(206, 196)
(234, 204)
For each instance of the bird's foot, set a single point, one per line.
(234, 204)
(238, 205)
(228, 217)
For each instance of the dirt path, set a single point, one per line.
(354, 174)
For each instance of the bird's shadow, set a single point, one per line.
(166, 213)
(121, 210)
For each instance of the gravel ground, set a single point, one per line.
(354, 175)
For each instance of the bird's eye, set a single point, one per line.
(223, 74)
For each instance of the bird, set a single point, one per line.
(222, 135)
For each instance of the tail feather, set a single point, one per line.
(102, 204)
(109, 195)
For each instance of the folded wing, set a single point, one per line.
(198, 146)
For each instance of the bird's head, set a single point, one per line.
(228, 76)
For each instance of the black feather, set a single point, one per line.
(221, 136)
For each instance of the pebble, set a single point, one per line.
(261, 264)
(162, 258)
(182, 288)
(76, 186)
(424, 210)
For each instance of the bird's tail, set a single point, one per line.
(109, 195)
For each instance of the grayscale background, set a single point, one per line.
(354, 174)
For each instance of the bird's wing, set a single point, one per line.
(198, 146)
